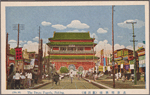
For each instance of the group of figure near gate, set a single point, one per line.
(20, 77)
(56, 77)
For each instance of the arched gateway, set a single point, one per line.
(72, 50)
(80, 69)
(72, 67)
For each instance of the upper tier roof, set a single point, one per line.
(71, 35)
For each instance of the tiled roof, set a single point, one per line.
(70, 43)
(70, 35)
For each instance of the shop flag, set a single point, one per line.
(104, 61)
(102, 51)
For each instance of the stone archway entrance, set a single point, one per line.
(80, 69)
(72, 67)
(11, 65)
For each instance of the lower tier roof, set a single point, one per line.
(70, 43)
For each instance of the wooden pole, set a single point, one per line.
(113, 49)
(6, 57)
(18, 36)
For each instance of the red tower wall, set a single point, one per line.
(85, 65)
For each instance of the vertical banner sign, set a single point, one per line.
(106, 60)
(102, 60)
(18, 53)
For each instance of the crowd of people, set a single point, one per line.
(26, 77)
(22, 78)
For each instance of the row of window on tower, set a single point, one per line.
(72, 48)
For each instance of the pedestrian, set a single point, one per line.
(56, 78)
(123, 78)
(132, 79)
(71, 76)
(78, 76)
(17, 79)
(22, 79)
(29, 78)
(95, 76)
(117, 77)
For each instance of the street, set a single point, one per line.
(66, 84)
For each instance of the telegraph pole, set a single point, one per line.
(134, 61)
(41, 54)
(39, 37)
(6, 57)
(49, 62)
(113, 63)
(44, 59)
(18, 36)
(18, 27)
(48, 65)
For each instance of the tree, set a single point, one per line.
(12, 51)
(64, 70)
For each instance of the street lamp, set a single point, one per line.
(135, 76)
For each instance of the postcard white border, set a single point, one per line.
(73, 3)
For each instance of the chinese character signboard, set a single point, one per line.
(18, 53)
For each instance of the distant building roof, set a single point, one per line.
(141, 49)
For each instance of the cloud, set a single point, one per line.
(77, 24)
(129, 47)
(107, 47)
(45, 40)
(93, 35)
(44, 23)
(33, 46)
(13, 45)
(95, 41)
(75, 31)
(59, 27)
(136, 47)
(12, 41)
(36, 39)
(117, 46)
(101, 30)
(22, 42)
(103, 45)
(139, 24)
